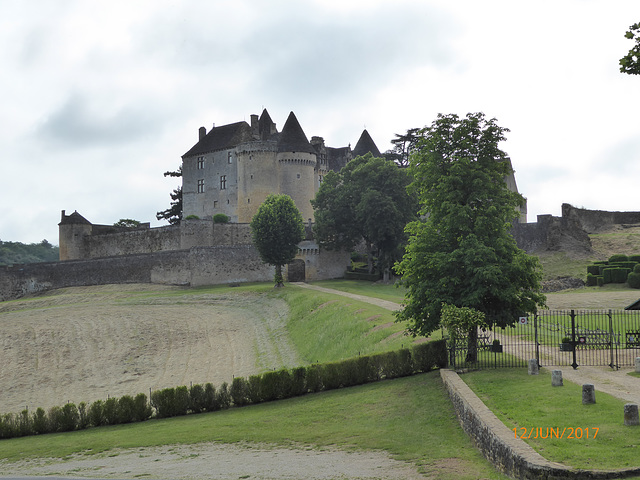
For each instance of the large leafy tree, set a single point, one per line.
(173, 214)
(366, 200)
(277, 228)
(630, 63)
(461, 252)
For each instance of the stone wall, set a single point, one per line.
(593, 221)
(223, 264)
(498, 444)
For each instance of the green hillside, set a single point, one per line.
(12, 253)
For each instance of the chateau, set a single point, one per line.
(232, 168)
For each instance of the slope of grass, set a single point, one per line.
(411, 418)
(525, 401)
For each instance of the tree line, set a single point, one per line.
(12, 253)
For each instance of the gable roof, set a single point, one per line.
(221, 138)
(266, 125)
(292, 137)
(74, 219)
(366, 145)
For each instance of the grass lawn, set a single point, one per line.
(391, 293)
(411, 418)
(529, 401)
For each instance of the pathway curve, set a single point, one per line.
(363, 298)
(613, 382)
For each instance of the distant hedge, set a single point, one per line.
(269, 386)
(620, 268)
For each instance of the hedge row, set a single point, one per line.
(269, 386)
(619, 268)
(280, 384)
(70, 417)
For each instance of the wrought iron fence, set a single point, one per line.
(555, 338)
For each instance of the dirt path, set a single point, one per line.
(363, 298)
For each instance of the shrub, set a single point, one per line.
(223, 399)
(314, 378)
(634, 258)
(275, 385)
(254, 389)
(298, 381)
(600, 281)
(593, 270)
(592, 280)
(110, 411)
(239, 392)
(197, 402)
(25, 424)
(192, 217)
(40, 421)
(142, 409)
(83, 421)
(331, 374)
(615, 274)
(221, 218)
(396, 364)
(96, 413)
(633, 280)
(126, 409)
(210, 400)
(55, 419)
(428, 355)
(69, 417)
(636, 269)
(618, 257)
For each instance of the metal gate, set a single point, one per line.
(555, 338)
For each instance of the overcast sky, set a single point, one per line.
(99, 98)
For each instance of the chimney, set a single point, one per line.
(255, 130)
(202, 132)
(63, 215)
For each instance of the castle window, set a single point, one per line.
(215, 204)
(201, 185)
(229, 158)
(298, 175)
(200, 163)
(223, 182)
(248, 200)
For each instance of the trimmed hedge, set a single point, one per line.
(634, 279)
(269, 386)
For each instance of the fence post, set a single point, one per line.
(535, 335)
(611, 339)
(573, 339)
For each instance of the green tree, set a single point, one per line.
(277, 228)
(461, 251)
(127, 222)
(367, 200)
(173, 214)
(630, 63)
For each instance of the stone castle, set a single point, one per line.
(232, 168)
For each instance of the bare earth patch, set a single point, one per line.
(219, 461)
(85, 344)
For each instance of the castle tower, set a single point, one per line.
(257, 167)
(366, 145)
(297, 160)
(71, 232)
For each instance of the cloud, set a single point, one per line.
(81, 122)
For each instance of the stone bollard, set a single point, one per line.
(637, 364)
(588, 394)
(533, 367)
(556, 378)
(631, 414)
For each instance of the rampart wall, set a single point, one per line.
(593, 221)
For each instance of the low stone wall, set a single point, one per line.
(196, 266)
(498, 444)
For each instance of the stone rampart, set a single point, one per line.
(593, 221)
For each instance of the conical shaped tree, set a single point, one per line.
(277, 228)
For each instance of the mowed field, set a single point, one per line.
(89, 343)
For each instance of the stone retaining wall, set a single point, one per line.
(497, 443)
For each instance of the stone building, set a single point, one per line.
(232, 168)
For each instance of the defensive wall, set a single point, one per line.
(201, 252)
(196, 252)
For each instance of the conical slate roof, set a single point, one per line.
(292, 137)
(366, 145)
(264, 125)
